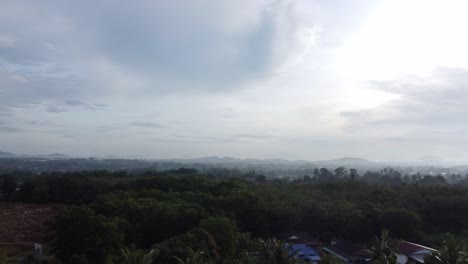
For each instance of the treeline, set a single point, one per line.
(182, 212)
(384, 176)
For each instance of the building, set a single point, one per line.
(349, 252)
(304, 252)
(412, 252)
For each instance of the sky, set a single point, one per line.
(293, 79)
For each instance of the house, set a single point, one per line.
(349, 252)
(304, 252)
(295, 235)
(412, 252)
(313, 243)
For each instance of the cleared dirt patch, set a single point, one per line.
(23, 225)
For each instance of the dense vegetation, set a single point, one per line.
(114, 216)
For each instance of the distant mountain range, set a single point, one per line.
(6, 154)
(234, 162)
(42, 156)
(273, 167)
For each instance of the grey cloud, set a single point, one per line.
(46, 123)
(84, 105)
(192, 139)
(395, 139)
(174, 45)
(10, 129)
(110, 128)
(5, 111)
(253, 136)
(23, 54)
(354, 115)
(159, 39)
(74, 103)
(122, 126)
(430, 104)
(55, 109)
(147, 124)
(36, 88)
(62, 133)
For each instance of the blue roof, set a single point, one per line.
(303, 251)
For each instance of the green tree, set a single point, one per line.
(136, 256)
(452, 251)
(401, 223)
(340, 172)
(8, 186)
(224, 232)
(244, 245)
(197, 239)
(384, 249)
(316, 173)
(276, 252)
(80, 231)
(194, 257)
(353, 174)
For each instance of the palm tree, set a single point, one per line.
(452, 251)
(384, 249)
(245, 244)
(194, 257)
(137, 256)
(276, 252)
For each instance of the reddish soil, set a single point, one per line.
(22, 225)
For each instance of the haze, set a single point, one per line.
(305, 79)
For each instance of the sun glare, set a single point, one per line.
(406, 37)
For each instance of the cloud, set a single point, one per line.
(77, 104)
(10, 129)
(110, 128)
(74, 103)
(7, 41)
(425, 106)
(70, 105)
(35, 86)
(169, 46)
(147, 124)
(4, 111)
(55, 109)
(254, 136)
(243, 77)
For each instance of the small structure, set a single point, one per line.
(38, 248)
(304, 252)
(412, 252)
(349, 252)
(313, 243)
(295, 235)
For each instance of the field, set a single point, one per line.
(23, 225)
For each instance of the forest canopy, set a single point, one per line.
(175, 211)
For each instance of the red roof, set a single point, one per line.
(408, 248)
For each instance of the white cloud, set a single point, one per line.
(7, 41)
(244, 78)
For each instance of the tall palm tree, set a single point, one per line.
(276, 252)
(384, 249)
(194, 257)
(137, 256)
(245, 244)
(452, 251)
